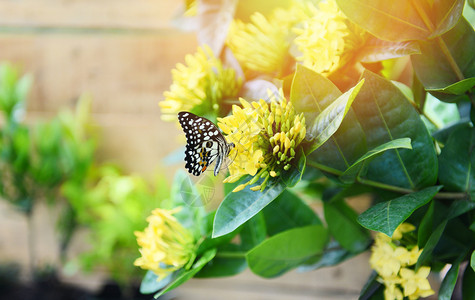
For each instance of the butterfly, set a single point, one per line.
(204, 143)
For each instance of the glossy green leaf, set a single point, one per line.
(329, 120)
(150, 284)
(448, 284)
(472, 261)
(431, 243)
(375, 50)
(229, 261)
(403, 20)
(286, 212)
(458, 88)
(385, 115)
(287, 250)
(468, 288)
(253, 232)
(188, 274)
(311, 93)
(456, 209)
(372, 289)
(239, 207)
(433, 67)
(457, 161)
(386, 216)
(349, 176)
(425, 227)
(333, 255)
(342, 224)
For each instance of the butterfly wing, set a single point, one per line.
(203, 142)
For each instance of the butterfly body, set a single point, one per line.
(204, 143)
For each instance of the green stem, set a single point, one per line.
(384, 186)
(324, 168)
(231, 254)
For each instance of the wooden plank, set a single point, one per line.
(339, 282)
(123, 73)
(130, 14)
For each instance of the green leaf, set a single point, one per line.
(239, 207)
(287, 250)
(332, 255)
(472, 261)
(433, 67)
(385, 115)
(404, 21)
(448, 284)
(253, 232)
(349, 176)
(457, 161)
(468, 288)
(229, 261)
(294, 174)
(187, 275)
(288, 211)
(385, 217)
(330, 119)
(342, 224)
(150, 284)
(456, 209)
(375, 50)
(372, 289)
(311, 93)
(458, 88)
(425, 227)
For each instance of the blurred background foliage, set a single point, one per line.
(54, 161)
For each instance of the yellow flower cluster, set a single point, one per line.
(260, 45)
(166, 245)
(316, 33)
(266, 136)
(395, 265)
(326, 39)
(199, 86)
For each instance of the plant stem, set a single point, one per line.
(384, 186)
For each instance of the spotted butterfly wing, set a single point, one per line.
(204, 143)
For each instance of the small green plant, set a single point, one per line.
(35, 160)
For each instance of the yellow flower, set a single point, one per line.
(191, 8)
(401, 229)
(166, 245)
(383, 259)
(199, 86)
(415, 284)
(326, 40)
(260, 45)
(266, 136)
(394, 264)
(392, 292)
